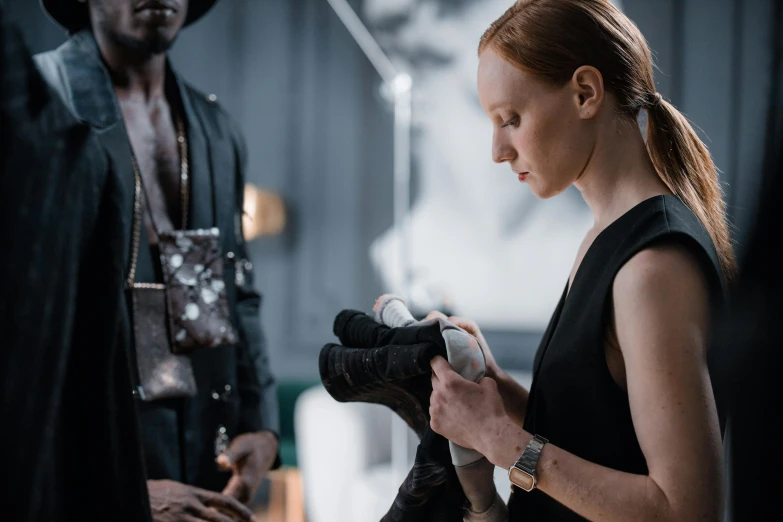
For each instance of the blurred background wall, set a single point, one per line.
(319, 133)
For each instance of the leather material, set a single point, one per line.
(193, 269)
(382, 365)
(391, 366)
(431, 492)
(463, 353)
(373, 375)
(162, 374)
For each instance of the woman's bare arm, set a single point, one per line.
(661, 311)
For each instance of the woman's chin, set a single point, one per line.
(538, 191)
(544, 190)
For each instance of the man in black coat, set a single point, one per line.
(113, 74)
(69, 436)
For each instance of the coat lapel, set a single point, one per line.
(212, 155)
(77, 71)
(200, 210)
(87, 88)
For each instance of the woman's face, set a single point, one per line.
(537, 126)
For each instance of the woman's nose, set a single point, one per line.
(501, 150)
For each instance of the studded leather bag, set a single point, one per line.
(187, 313)
(198, 314)
(161, 373)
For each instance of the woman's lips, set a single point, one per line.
(522, 176)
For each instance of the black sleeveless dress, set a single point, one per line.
(574, 402)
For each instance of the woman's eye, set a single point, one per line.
(513, 121)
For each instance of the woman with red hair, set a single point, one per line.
(620, 422)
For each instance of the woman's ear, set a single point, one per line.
(588, 87)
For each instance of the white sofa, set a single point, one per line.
(344, 453)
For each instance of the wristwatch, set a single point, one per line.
(523, 473)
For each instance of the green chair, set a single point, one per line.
(288, 391)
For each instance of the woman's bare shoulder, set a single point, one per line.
(662, 269)
(661, 296)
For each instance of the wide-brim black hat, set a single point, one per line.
(72, 14)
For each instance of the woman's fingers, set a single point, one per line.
(468, 325)
(436, 315)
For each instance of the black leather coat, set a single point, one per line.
(236, 389)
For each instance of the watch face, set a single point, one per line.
(521, 479)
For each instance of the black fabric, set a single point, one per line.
(747, 356)
(431, 492)
(391, 366)
(395, 376)
(377, 364)
(358, 330)
(69, 438)
(236, 388)
(73, 15)
(574, 402)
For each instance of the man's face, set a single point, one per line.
(142, 26)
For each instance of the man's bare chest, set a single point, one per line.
(153, 137)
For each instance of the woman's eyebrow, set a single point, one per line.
(498, 105)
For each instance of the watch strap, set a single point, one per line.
(523, 473)
(529, 459)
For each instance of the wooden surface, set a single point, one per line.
(285, 498)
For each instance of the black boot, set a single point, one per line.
(391, 366)
(431, 491)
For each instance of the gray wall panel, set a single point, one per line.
(319, 133)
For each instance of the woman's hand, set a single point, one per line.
(470, 326)
(514, 394)
(462, 410)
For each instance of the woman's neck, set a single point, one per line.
(620, 174)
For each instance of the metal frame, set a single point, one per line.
(398, 86)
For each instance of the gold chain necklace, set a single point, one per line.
(185, 199)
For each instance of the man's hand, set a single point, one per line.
(249, 457)
(176, 502)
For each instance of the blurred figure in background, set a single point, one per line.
(748, 355)
(69, 437)
(202, 381)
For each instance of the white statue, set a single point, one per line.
(480, 242)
